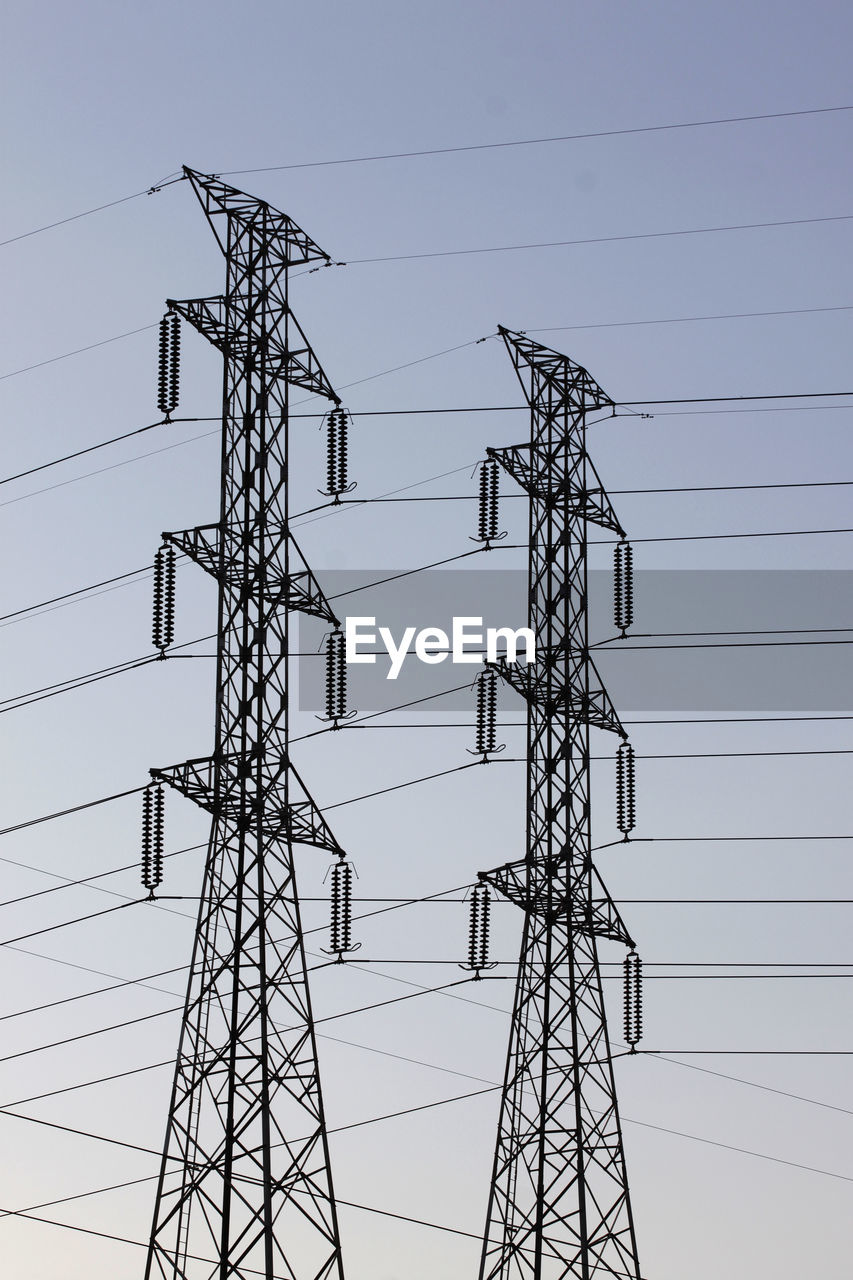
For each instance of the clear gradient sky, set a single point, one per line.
(102, 100)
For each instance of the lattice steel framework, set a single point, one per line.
(559, 1203)
(245, 1187)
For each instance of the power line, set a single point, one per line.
(77, 808)
(100, 991)
(69, 595)
(412, 782)
(154, 1066)
(87, 1035)
(64, 924)
(102, 444)
(590, 240)
(432, 151)
(69, 883)
(470, 409)
(740, 720)
(702, 488)
(383, 1212)
(535, 142)
(756, 1053)
(80, 682)
(423, 568)
(114, 466)
(752, 1084)
(717, 537)
(608, 646)
(731, 315)
(77, 351)
(565, 328)
(74, 217)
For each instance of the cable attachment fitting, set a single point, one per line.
(485, 732)
(163, 625)
(340, 932)
(336, 680)
(169, 364)
(152, 837)
(623, 587)
(487, 506)
(337, 454)
(626, 809)
(478, 931)
(633, 1000)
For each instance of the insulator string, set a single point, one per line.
(479, 926)
(485, 731)
(626, 807)
(337, 454)
(487, 505)
(633, 1000)
(163, 622)
(623, 586)
(340, 931)
(336, 680)
(169, 364)
(152, 837)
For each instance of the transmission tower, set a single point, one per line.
(245, 1187)
(559, 1203)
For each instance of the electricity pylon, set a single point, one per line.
(559, 1203)
(245, 1186)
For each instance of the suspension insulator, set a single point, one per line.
(623, 586)
(340, 933)
(163, 625)
(337, 454)
(626, 809)
(169, 364)
(336, 677)
(485, 733)
(336, 680)
(478, 931)
(487, 509)
(633, 1000)
(152, 837)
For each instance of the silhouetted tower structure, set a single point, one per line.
(245, 1187)
(559, 1203)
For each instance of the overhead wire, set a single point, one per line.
(535, 142)
(586, 241)
(478, 762)
(75, 217)
(403, 413)
(565, 328)
(432, 151)
(66, 355)
(101, 444)
(428, 1106)
(68, 882)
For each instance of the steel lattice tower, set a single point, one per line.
(245, 1187)
(559, 1203)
